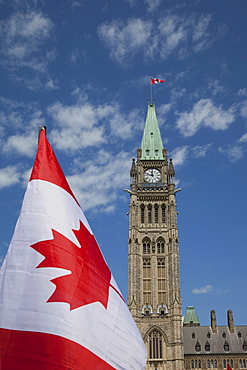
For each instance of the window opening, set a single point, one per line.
(156, 214)
(155, 345)
(207, 347)
(149, 214)
(226, 346)
(198, 347)
(163, 213)
(142, 214)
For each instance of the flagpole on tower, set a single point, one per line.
(152, 82)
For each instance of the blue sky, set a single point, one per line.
(82, 68)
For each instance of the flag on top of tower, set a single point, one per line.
(156, 80)
(60, 306)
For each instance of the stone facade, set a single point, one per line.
(154, 277)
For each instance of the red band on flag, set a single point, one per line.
(25, 350)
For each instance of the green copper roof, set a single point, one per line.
(151, 145)
(191, 316)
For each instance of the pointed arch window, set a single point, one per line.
(198, 347)
(155, 341)
(160, 246)
(142, 213)
(242, 364)
(149, 213)
(226, 346)
(163, 213)
(245, 346)
(207, 347)
(156, 213)
(146, 246)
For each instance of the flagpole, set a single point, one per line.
(151, 93)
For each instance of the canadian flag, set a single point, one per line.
(60, 306)
(156, 80)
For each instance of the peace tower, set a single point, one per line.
(154, 278)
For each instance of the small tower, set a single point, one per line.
(154, 277)
(191, 318)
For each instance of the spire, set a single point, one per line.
(151, 146)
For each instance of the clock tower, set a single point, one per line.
(154, 278)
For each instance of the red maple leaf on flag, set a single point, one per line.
(90, 276)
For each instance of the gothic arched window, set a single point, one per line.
(156, 213)
(155, 345)
(142, 213)
(160, 246)
(163, 213)
(146, 246)
(149, 213)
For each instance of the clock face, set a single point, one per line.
(152, 175)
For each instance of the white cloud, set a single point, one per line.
(203, 290)
(200, 34)
(23, 144)
(9, 176)
(201, 150)
(209, 289)
(24, 141)
(123, 125)
(243, 110)
(242, 92)
(243, 138)
(86, 125)
(156, 38)
(152, 4)
(179, 155)
(233, 152)
(24, 34)
(25, 46)
(125, 39)
(97, 182)
(204, 114)
(215, 87)
(162, 111)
